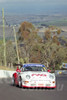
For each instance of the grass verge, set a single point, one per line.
(6, 68)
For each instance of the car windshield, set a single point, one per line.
(34, 68)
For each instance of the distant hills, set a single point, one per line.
(16, 19)
(37, 20)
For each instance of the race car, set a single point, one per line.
(34, 76)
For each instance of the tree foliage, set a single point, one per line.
(25, 30)
(1, 52)
(51, 33)
(35, 49)
(10, 53)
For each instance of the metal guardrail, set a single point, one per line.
(58, 72)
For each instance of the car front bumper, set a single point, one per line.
(39, 84)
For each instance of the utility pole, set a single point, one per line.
(4, 37)
(16, 45)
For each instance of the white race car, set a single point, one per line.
(34, 76)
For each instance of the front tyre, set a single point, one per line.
(13, 81)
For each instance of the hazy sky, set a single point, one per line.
(34, 6)
(37, 1)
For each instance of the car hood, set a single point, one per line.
(37, 75)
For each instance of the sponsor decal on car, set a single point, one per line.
(39, 75)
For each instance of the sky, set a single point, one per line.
(34, 6)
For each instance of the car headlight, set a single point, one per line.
(51, 76)
(28, 76)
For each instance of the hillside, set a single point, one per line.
(38, 21)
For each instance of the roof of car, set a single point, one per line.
(33, 64)
(64, 65)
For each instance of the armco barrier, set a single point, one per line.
(6, 74)
(57, 72)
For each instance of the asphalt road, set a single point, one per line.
(9, 92)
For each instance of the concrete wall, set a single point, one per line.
(6, 74)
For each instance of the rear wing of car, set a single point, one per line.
(18, 65)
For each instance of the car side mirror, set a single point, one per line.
(49, 70)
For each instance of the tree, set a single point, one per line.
(47, 34)
(51, 33)
(28, 35)
(58, 31)
(25, 29)
(10, 53)
(1, 53)
(35, 53)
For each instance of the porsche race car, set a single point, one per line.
(34, 76)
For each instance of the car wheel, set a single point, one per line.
(13, 81)
(20, 82)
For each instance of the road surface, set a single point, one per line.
(9, 92)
